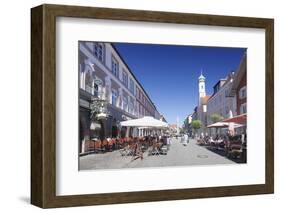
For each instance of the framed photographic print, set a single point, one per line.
(136, 106)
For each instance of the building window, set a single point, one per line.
(136, 110)
(114, 97)
(132, 86)
(131, 106)
(99, 51)
(243, 93)
(125, 78)
(226, 110)
(125, 104)
(114, 67)
(243, 108)
(137, 92)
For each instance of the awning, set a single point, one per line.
(126, 117)
(240, 119)
(218, 125)
(225, 125)
(146, 121)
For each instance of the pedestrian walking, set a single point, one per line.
(186, 138)
(169, 142)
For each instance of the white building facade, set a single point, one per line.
(220, 102)
(104, 74)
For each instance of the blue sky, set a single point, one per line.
(169, 73)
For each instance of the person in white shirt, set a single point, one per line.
(186, 138)
(169, 142)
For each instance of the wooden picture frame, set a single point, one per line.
(43, 105)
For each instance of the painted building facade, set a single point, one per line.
(229, 97)
(239, 87)
(220, 102)
(103, 74)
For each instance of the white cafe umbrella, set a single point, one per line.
(146, 121)
(224, 125)
(235, 125)
(218, 125)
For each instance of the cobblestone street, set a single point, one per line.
(178, 155)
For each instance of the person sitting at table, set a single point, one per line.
(217, 137)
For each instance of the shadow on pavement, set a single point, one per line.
(222, 153)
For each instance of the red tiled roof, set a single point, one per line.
(174, 126)
(205, 99)
(241, 119)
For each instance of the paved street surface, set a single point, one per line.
(178, 155)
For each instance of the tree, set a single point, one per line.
(216, 118)
(196, 124)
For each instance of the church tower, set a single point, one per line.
(201, 86)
